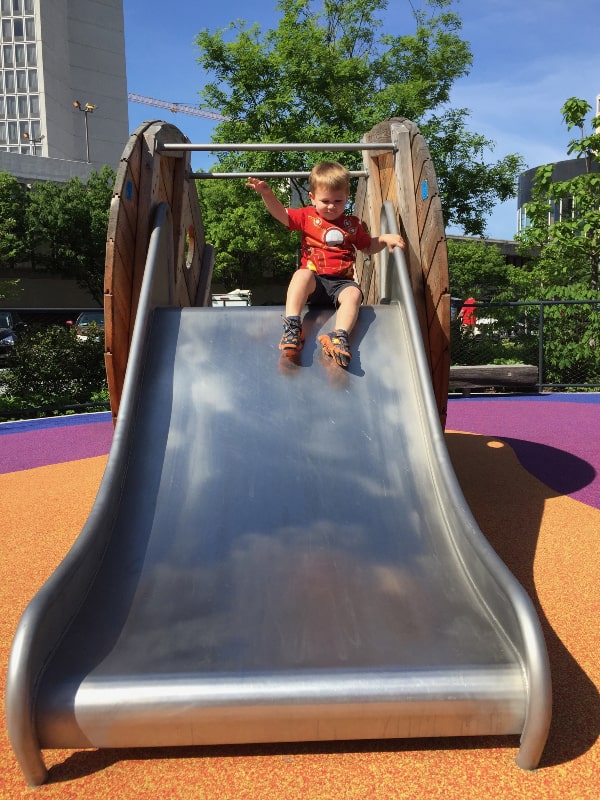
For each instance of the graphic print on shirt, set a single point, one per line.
(329, 248)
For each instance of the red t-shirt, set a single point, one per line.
(328, 248)
(467, 312)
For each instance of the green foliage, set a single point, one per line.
(51, 367)
(569, 248)
(490, 348)
(248, 241)
(327, 70)
(13, 201)
(476, 269)
(9, 289)
(328, 73)
(469, 187)
(572, 337)
(67, 228)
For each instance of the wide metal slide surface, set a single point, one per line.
(283, 554)
(280, 566)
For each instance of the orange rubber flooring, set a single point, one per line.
(548, 539)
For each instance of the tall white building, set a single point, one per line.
(63, 87)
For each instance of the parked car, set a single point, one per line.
(10, 323)
(83, 322)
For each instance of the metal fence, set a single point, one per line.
(560, 337)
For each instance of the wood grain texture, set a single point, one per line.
(407, 178)
(146, 177)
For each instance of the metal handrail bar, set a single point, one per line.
(362, 173)
(164, 147)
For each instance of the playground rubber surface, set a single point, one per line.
(530, 470)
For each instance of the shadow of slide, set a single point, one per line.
(539, 533)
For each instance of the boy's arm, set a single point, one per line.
(390, 240)
(274, 206)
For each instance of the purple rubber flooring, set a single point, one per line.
(556, 437)
(38, 443)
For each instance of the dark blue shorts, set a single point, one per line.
(328, 290)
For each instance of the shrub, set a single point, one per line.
(52, 368)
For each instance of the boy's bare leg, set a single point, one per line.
(301, 286)
(335, 344)
(349, 300)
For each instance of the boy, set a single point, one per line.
(330, 239)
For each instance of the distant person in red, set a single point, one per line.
(467, 315)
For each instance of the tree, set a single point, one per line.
(67, 226)
(569, 247)
(249, 243)
(469, 187)
(476, 269)
(327, 73)
(13, 202)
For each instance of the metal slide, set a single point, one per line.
(281, 553)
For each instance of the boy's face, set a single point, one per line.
(329, 203)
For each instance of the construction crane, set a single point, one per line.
(176, 108)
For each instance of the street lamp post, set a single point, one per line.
(88, 108)
(33, 140)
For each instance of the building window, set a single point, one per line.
(29, 6)
(21, 80)
(568, 208)
(31, 55)
(30, 29)
(34, 105)
(19, 55)
(35, 129)
(5, 7)
(9, 81)
(19, 31)
(33, 80)
(3, 139)
(6, 30)
(11, 107)
(8, 56)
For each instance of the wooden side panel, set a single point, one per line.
(147, 177)
(407, 178)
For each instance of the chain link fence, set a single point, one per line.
(561, 338)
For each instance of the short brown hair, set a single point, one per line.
(331, 175)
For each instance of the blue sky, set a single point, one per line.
(528, 58)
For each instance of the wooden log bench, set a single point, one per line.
(493, 376)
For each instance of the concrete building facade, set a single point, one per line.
(63, 87)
